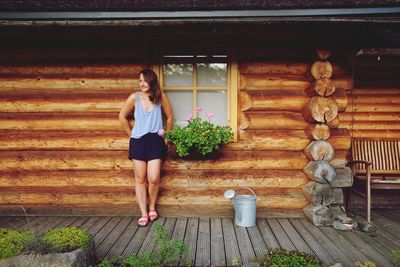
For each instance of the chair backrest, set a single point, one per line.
(384, 154)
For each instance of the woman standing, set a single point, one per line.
(147, 148)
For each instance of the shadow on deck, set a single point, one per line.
(216, 241)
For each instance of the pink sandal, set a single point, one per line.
(143, 221)
(153, 215)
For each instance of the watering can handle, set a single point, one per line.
(248, 188)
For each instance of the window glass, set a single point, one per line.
(178, 74)
(211, 74)
(182, 105)
(213, 102)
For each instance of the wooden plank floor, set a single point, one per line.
(218, 242)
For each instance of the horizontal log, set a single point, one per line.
(318, 194)
(266, 198)
(320, 109)
(249, 140)
(344, 178)
(319, 150)
(282, 100)
(376, 98)
(72, 71)
(372, 107)
(320, 171)
(60, 122)
(340, 139)
(323, 87)
(369, 116)
(81, 85)
(117, 160)
(334, 124)
(45, 140)
(319, 215)
(296, 68)
(338, 196)
(371, 125)
(341, 159)
(273, 100)
(71, 103)
(272, 120)
(343, 82)
(271, 140)
(192, 179)
(274, 82)
(373, 90)
(123, 209)
(321, 69)
(317, 131)
(376, 133)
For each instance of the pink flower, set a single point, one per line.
(198, 109)
(160, 132)
(189, 117)
(210, 116)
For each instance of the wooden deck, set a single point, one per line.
(216, 241)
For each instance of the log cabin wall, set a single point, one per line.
(62, 148)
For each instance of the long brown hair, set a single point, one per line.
(151, 78)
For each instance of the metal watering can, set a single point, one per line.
(245, 207)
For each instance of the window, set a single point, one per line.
(197, 80)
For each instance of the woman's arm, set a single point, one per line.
(127, 108)
(167, 111)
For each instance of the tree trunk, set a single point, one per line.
(319, 109)
(319, 215)
(319, 150)
(318, 194)
(318, 131)
(320, 171)
(321, 69)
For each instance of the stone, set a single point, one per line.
(76, 258)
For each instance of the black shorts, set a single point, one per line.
(148, 147)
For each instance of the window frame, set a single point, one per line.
(231, 87)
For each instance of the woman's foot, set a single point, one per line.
(153, 215)
(143, 221)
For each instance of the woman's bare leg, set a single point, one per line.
(153, 175)
(140, 168)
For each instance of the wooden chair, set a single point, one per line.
(376, 165)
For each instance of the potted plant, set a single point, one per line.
(199, 139)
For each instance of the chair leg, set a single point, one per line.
(368, 202)
(348, 193)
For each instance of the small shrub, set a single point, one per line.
(65, 239)
(12, 242)
(164, 253)
(284, 258)
(365, 264)
(396, 257)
